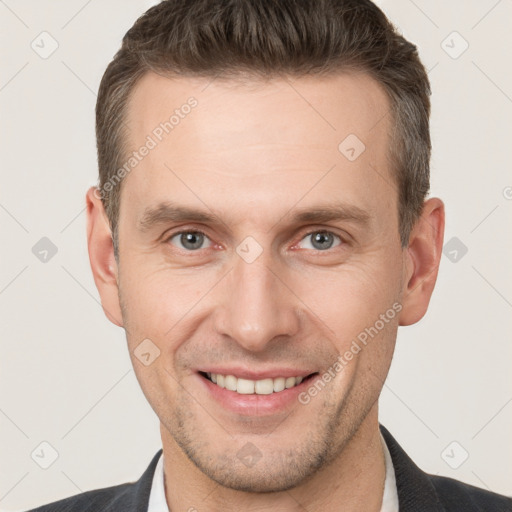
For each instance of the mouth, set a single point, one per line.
(268, 386)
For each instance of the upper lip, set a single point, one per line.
(271, 373)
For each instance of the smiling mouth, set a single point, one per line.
(254, 387)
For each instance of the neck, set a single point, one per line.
(354, 481)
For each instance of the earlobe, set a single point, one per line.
(101, 256)
(421, 261)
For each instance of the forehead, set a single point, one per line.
(258, 138)
(333, 107)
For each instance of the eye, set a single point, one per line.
(321, 240)
(189, 240)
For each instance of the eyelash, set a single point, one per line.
(309, 233)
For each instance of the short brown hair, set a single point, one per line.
(272, 38)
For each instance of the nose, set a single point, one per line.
(257, 306)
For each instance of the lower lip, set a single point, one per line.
(256, 405)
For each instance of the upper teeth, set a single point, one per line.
(258, 387)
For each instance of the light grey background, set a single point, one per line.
(66, 377)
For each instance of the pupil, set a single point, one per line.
(192, 240)
(323, 240)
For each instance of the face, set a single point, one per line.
(257, 241)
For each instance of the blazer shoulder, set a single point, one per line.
(105, 499)
(456, 495)
(418, 490)
(126, 497)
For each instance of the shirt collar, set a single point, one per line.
(157, 501)
(390, 496)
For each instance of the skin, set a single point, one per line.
(253, 153)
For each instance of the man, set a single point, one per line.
(260, 230)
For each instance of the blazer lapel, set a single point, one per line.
(415, 490)
(136, 499)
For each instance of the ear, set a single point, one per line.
(101, 256)
(421, 261)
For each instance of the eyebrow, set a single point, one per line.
(166, 212)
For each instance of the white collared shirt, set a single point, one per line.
(158, 503)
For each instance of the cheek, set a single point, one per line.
(356, 304)
(351, 297)
(157, 299)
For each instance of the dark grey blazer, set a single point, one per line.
(417, 492)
